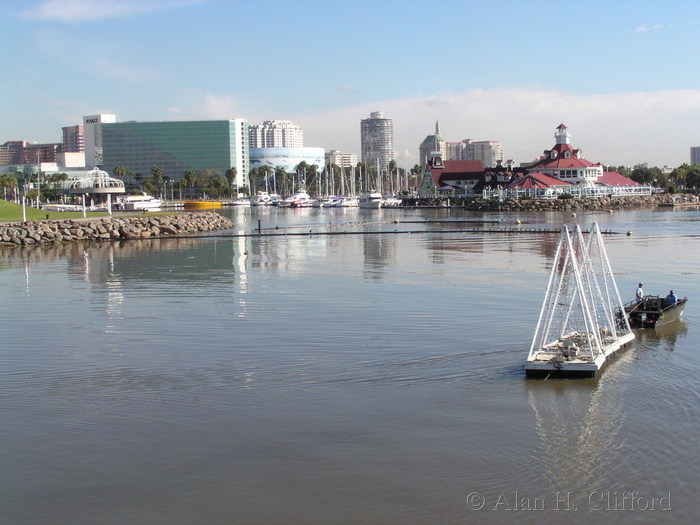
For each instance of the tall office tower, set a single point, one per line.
(489, 152)
(73, 139)
(275, 134)
(695, 155)
(432, 144)
(340, 159)
(92, 128)
(377, 140)
(213, 146)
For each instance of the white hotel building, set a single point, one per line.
(275, 134)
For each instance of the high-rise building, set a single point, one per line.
(377, 140)
(73, 139)
(92, 128)
(276, 134)
(340, 159)
(488, 152)
(11, 151)
(178, 146)
(432, 144)
(695, 155)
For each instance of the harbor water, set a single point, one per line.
(346, 366)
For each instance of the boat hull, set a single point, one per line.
(650, 313)
(202, 205)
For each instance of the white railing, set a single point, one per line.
(576, 192)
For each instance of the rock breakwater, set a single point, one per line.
(111, 228)
(538, 205)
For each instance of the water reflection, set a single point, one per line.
(379, 252)
(579, 423)
(664, 337)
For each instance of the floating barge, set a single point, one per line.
(581, 324)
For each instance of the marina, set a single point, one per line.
(365, 377)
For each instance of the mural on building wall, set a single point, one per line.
(288, 158)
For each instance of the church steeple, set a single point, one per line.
(437, 128)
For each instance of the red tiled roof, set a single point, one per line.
(613, 178)
(455, 170)
(561, 162)
(536, 180)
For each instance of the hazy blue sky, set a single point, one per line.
(622, 75)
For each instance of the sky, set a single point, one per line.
(622, 75)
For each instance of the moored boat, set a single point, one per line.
(372, 200)
(138, 202)
(652, 312)
(300, 199)
(202, 205)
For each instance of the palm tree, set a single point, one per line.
(157, 175)
(7, 181)
(231, 175)
(119, 171)
(281, 174)
(190, 179)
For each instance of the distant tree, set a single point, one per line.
(157, 175)
(8, 181)
(217, 187)
(279, 179)
(190, 180)
(231, 175)
(119, 172)
(643, 174)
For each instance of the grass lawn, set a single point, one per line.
(11, 212)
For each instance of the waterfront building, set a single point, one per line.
(340, 159)
(92, 132)
(377, 140)
(695, 155)
(558, 167)
(213, 146)
(566, 163)
(275, 134)
(73, 139)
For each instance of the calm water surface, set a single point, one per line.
(340, 378)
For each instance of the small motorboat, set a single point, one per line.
(652, 312)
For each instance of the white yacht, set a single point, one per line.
(300, 199)
(138, 202)
(372, 200)
(347, 202)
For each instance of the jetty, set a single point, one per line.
(582, 321)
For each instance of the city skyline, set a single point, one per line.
(620, 76)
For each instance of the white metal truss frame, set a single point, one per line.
(579, 314)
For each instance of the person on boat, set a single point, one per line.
(640, 293)
(671, 299)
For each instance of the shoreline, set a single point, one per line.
(45, 232)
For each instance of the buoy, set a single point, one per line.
(573, 215)
(517, 221)
(611, 211)
(629, 234)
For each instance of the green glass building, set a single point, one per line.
(177, 146)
